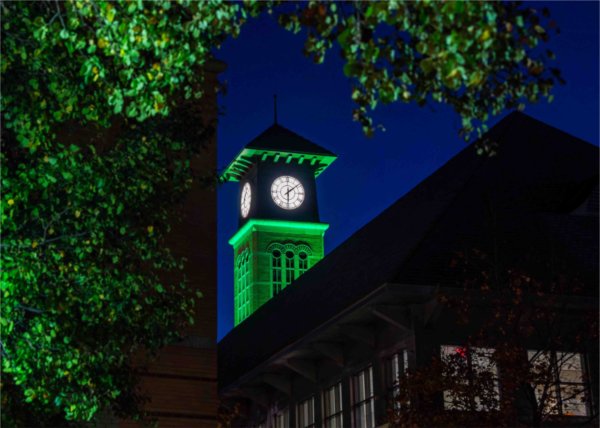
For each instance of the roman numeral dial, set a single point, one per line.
(287, 192)
(246, 200)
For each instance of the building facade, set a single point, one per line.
(332, 348)
(181, 382)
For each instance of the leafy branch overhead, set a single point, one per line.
(88, 60)
(478, 57)
(100, 123)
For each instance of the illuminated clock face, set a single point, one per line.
(287, 192)
(246, 200)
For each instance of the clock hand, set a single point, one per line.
(288, 192)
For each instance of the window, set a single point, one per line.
(477, 387)
(289, 267)
(281, 419)
(288, 262)
(302, 263)
(242, 296)
(276, 272)
(363, 400)
(559, 382)
(332, 407)
(395, 367)
(305, 413)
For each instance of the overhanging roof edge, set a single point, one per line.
(422, 291)
(253, 222)
(244, 156)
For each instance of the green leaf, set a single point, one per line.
(427, 65)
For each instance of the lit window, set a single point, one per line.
(288, 262)
(305, 413)
(475, 376)
(242, 297)
(302, 263)
(363, 400)
(559, 382)
(395, 367)
(281, 419)
(289, 267)
(276, 272)
(332, 407)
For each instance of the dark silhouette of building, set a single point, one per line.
(181, 383)
(326, 350)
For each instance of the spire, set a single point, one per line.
(275, 109)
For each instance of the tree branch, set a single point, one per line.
(30, 309)
(60, 15)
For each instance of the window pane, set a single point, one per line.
(395, 367)
(572, 386)
(302, 263)
(559, 382)
(281, 419)
(573, 400)
(482, 360)
(276, 272)
(483, 364)
(363, 399)
(569, 367)
(547, 395)
(394, 370)
(305, 413)
(452, 399)
(242, 297)
(479, 370)
(332, 406)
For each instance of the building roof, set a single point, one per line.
(519, 201)
(278, 138)
(274, 143)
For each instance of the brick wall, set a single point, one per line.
(182, 381)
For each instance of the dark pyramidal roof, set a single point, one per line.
(278, 138)
(519, 202)
(274, 143)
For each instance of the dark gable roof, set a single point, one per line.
(524, 188)
(278, 138)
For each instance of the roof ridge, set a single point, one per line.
(294, 142)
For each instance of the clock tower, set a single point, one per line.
(280, 235)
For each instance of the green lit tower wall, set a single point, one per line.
(280, 235)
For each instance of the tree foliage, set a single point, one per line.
(478, 57)
(97, 144)
(92, 171)
(527, 336)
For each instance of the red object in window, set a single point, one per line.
(462, 352)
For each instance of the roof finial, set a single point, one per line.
(275, 108)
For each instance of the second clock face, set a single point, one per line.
(246, 200)
(287, 192)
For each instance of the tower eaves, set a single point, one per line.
(279, 145)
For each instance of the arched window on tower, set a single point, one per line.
(289, 267)
(302, 262)
(242, 297)
(288, 262)
(276, 277)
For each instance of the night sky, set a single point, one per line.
(370, 174)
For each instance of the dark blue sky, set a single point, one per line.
(370, 174)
